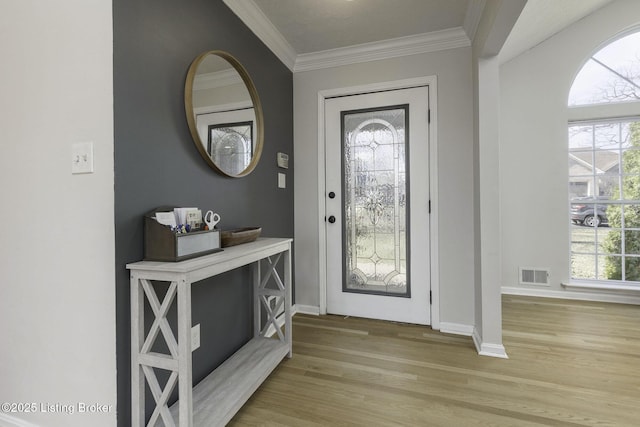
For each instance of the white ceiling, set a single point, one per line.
(314, 25)
(301, 31)
(541, 19)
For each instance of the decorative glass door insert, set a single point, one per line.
(375, 202)
(230, 146)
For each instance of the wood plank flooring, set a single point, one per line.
(570, 364)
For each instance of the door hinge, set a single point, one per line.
(429, 116)
(430, 298)
(429, 206)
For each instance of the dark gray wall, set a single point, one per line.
(156, 162)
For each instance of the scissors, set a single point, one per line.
(211, 219)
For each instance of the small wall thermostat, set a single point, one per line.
(283, 161)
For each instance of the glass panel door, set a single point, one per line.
(374, 191)
(377, 195)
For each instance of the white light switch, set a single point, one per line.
(282, 180)
(82, 157)
(195, 337)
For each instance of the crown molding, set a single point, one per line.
(216, 79)
(392, 48)
(472, 17)
(256, 20)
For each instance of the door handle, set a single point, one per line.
(332, 195)
(332, 219)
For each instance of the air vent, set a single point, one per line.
(534, 276)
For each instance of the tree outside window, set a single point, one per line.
(604, 167)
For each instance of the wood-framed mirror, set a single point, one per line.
(224, 113)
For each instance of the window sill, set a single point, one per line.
(603, 286)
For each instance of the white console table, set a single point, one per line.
(214, 400)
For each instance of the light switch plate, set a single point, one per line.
(195, 337)
(82, 157)
(282, 180)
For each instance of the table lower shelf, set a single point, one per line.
(222, 393)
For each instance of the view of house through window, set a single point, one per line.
(604, 168)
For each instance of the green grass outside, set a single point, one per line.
(583, 248)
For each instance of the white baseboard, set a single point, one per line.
(484, 349)
(488, 349)
(307, 309)
(572, 294)
(456, 328)
(8, 421)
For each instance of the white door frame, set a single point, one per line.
(430, 81)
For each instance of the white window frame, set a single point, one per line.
(589, 114)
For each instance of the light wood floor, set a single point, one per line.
(570, 364)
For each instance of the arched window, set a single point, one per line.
(610, 75)
(604, 165)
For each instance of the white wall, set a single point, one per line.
(453, 70)
(57, 290)
(221, 96)
(533, 152)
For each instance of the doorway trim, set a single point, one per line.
(430, 81)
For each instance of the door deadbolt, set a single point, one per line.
(332, 195)
(332, 219)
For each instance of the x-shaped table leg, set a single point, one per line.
(160, 322)
(161, 396)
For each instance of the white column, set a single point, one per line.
(488, 175)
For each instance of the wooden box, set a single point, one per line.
(239, 236)
(162, 244)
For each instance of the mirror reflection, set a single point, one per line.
(223, 107)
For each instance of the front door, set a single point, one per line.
(377, 206)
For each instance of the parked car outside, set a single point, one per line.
(589, 211)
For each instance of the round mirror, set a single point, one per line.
(224, 113)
